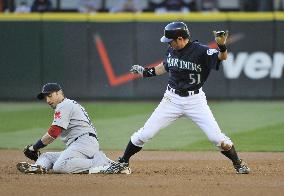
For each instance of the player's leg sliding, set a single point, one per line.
(122, 165)
(28, 168)
(239, 165)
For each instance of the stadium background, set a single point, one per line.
(90, 56)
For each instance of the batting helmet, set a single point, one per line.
(174, 30)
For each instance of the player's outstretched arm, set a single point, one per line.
(32, 151)
(148, 72)
(47, 139)
(52, 133)
(160, 69)
(221, 39)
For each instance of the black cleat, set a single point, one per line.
(119, 167)
(241, 168)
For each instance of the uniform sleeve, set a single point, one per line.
(166, 65)
(165, 62)
(62, 116)
(211, 58)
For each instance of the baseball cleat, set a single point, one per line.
(242, 168)
(28, 168)
(118, 168)
(126, 170)
(98, 169)
(107, 170)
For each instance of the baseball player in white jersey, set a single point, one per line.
(72, 123)
(188, 64)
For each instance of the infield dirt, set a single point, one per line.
(154, 173)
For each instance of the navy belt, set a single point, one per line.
(182, 92)
(90, 134)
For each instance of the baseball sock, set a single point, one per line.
(130, 150)
(232, 155)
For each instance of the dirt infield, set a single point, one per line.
(154, 173)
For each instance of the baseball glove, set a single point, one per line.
(221, 37)
(31, 154)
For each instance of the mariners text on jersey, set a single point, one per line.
(174, 62)
(190, 66)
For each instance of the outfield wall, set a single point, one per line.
(90, 55)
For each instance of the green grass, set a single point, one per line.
(265, 139)
(253, 126)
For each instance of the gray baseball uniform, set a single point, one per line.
(82, 147)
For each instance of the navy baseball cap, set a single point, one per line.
(47, 89)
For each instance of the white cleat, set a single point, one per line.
(106, 170)
(98, 170)
(28, 168)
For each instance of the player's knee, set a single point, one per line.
(60, 167)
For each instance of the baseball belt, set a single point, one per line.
(90, 134)
(182, 92)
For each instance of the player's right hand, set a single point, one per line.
(137, 69)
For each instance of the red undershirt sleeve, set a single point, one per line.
(54, 131)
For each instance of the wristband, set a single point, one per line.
(222, 48)
(38, 145)
(149, 72)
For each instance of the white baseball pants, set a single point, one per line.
(79, 156)
(173, 107)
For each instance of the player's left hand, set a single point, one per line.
(30, 153)
(221, 37)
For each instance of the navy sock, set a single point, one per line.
(130, 150)
(232, 155)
